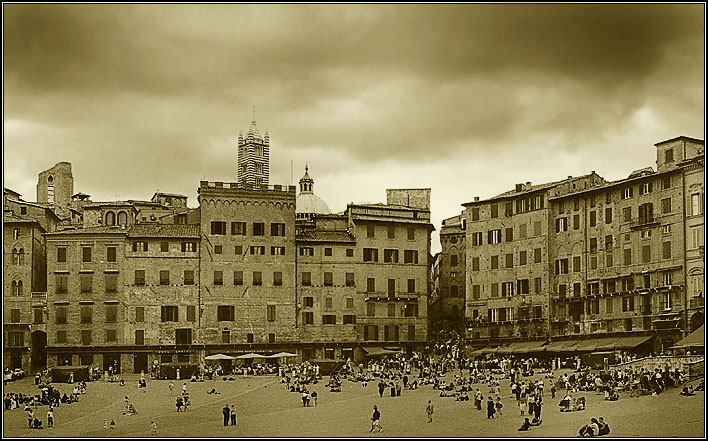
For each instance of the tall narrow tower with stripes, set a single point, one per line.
(253, 157)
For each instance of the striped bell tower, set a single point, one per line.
(253, 157)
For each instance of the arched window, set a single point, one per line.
(122, 218)
(50, 179)
(21, 257)
(15, 257)
(168, 201)
(17, 287)
(110, 218)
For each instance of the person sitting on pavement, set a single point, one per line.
(604, 428)
(525, 425)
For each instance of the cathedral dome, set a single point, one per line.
(307, 203)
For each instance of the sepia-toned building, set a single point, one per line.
(585, 257)
(253, 158)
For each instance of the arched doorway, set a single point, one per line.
(38, 354)
(697, 321)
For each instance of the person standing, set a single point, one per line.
(429, 411)
(172, 387)
(154, 428)
(30, 418)
(233, 414)
(478, 399)
(375, 420)
(50, 417)
(226, 412)
(490, 408)
(382, 387)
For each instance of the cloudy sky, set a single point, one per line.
(465, 99)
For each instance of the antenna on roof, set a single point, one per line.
(291, 172)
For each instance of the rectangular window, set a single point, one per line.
(371, 332)
(628, 256)
(139, 314)
(238, 278)
(257, 278)
(61, 254)
(328, 279)
(494, 211)
(696, 204)
(169, 314)
(509, 263)
(225, 313)
(328, 252)
(371, 309)
(476, 292)
(370, 284)
(562, 266)
(218, 249)
(627, 214)
(350, 252)
(646, 253)
(509, 207)
(62, 283)
(238, 228)
(669, 155)
(218, 228)
(371, 255)
(411, 286)
(666, 183)
(15, 316)
(164, 247)
(576, 221)
(111, 254)
(475, 264)
(370, 231)
(257, 250)
(645, 188)
(410, 256)
(61, 336)
(593, 244)
(277, 229)
(477, 239)
(608, 215)
(392, 310)
(495, 290)
(226, 336)
(666, 250)
(537, 285)
(391, 287)
(111, 314)
(139, 277)
(349, 279)
(189, 247)
(86, 337)
(646, 213)
(60, 317)
(627, 303)
(189, 277)
(666, 205)
(453, 260)
(561, 224)
(38, 313)
(349, 319)
(164, 277)
(308, 318)
(494, 236)
(86, 282)
(191, 313)
(626, 193)
(507, 289)
(509, 234)
(249, 338)
(522, 286)
(593, 218)
(609, 260)
(218, 277)
(277, 278)
(270, 313)
(391, 232)
(306, 279)
(411, 233)
(390, 256)
(522, 258)
(258, 228)
(494, 262)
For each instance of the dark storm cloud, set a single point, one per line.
(138, 94)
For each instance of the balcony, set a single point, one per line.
(39, 296)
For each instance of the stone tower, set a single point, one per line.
(253, 158)
(56, 186)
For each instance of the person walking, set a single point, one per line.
(375, 420)
(50, 417)
(226, 412)
(490, 408)
(429, 411)
(172, 387)
(30, 417)
(233, 414)
(498, 406)
(382, 387)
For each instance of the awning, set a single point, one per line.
(376, 351)
(522, 347)
(250, 355)
(596, 344)
(630, 342)
(219, 357)
(533, 346)
(562, 346)
(282, 355)
(692, 340)
(496, 350)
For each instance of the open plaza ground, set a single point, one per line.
(266, 409)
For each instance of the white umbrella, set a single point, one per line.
(250, 355)
(282, 355)
(219, 357)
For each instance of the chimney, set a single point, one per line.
(476, 198)
(519, 187)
